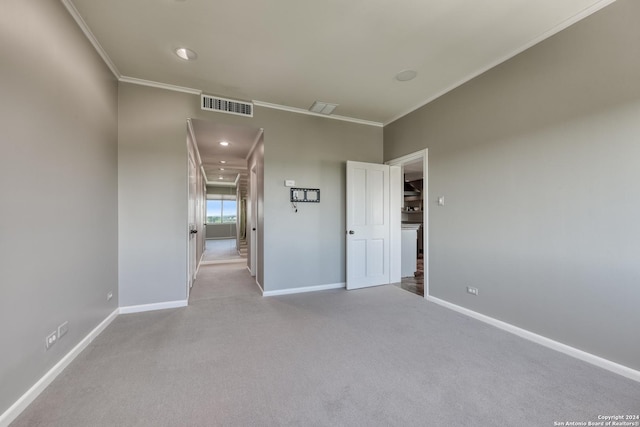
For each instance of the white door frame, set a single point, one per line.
(400, 161)
(192, 242)
(253, 226)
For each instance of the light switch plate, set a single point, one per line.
(289, 183)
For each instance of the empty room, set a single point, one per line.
(331, 214)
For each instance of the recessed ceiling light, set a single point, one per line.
(186, 54)
(406, 75)
(220, 177)
(223, 161)
(224, 143)
(221, 169)
(322, 107)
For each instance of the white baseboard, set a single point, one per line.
(156, 306)
(340, 285)
(598, 361)
(258, 284)
(26, 399)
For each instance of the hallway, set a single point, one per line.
(217, 250)
(221, 281)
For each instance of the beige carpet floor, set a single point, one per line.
(217, 250)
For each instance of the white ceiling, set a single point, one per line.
(241, 140)
(293, 52)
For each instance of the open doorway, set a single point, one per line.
(225, 240)
(223, 152)
(414, 222)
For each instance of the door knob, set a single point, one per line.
(253, 229)
(352, 232)
(194, 231)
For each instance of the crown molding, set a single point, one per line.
(73, 11)
(183, 89)
(309, 113)
(94, 41)
(143, 82)
(561, 26)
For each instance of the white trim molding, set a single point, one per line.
(158, 85)
(151, 307)
(544, 341)
(561, 26)
(26, 399)
(400, 161)
(94, 41)
(73, 11)
(309, 113)
(142, 82)
(340, 285)
(257, 283)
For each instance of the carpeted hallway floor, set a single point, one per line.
(223, 250)
(373, 357)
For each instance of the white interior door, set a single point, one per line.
(369, 226)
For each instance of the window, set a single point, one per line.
(221, 211)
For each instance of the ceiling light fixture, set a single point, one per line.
(186, 54)
(406, 75)
(322, 107)
(224, 143)
(221, 169)
(220, 177)
(223, 161)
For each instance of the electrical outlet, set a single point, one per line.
(63, 329)
(109, 296)
(51, 340)
(472, 291)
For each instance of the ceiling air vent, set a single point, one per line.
(214, 103)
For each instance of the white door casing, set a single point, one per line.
(423, 156)
(369, 225)
(192, 226)
(252, 224)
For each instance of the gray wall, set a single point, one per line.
(58, 196)
(152, 194)
(303, 249)
(538, 162)
(308, 248)
(220, 189)
(221, 231)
